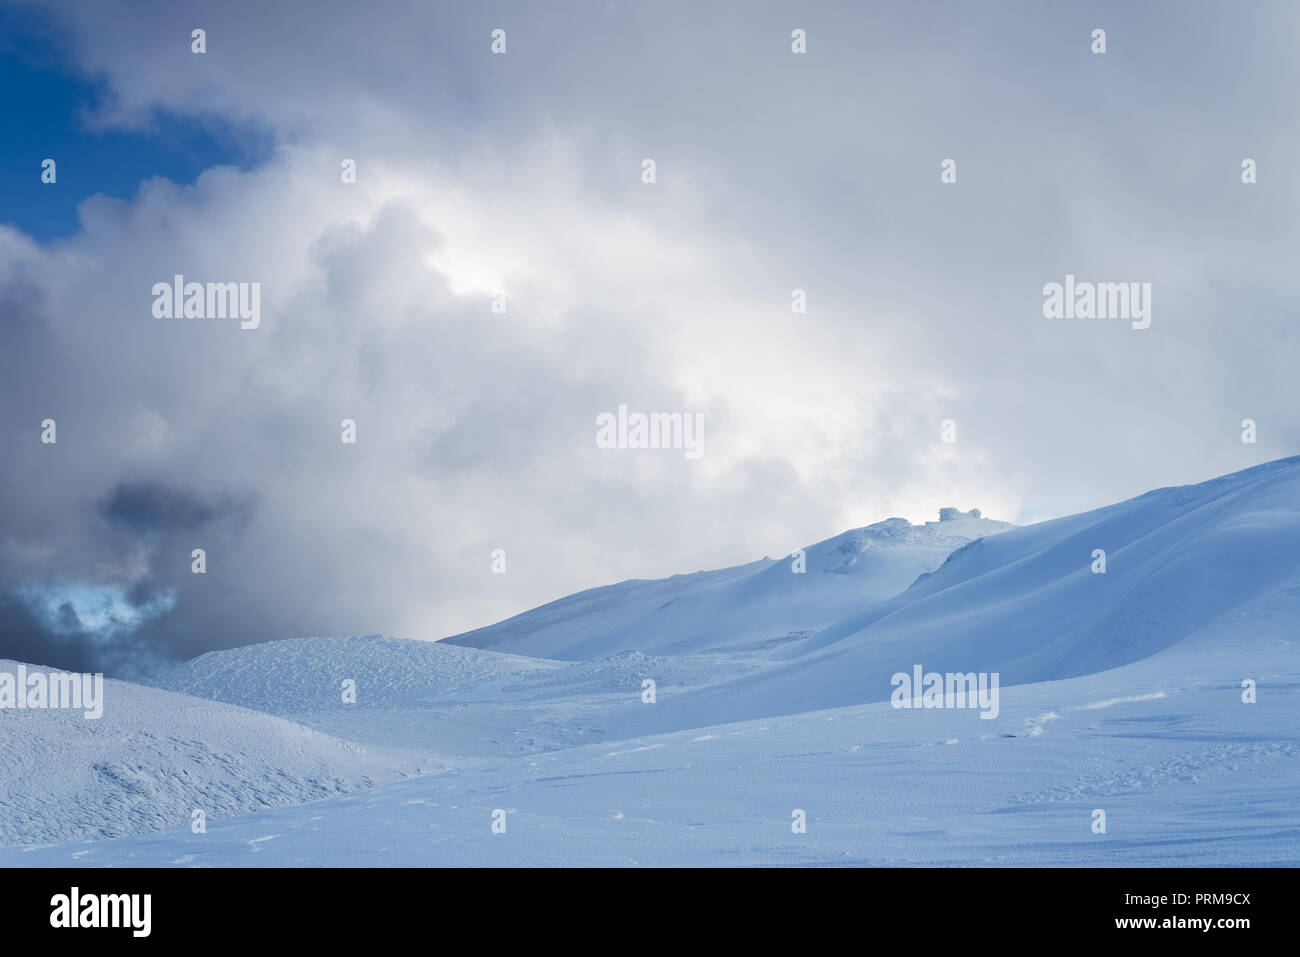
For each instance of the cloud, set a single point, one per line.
(480, 175)
(81, 628)
(150, 507)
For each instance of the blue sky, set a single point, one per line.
(49, 106)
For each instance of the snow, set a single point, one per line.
(1120, 692)
(741, 608)
(304, 675)
(155, 756)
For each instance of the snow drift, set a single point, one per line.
(154, 757)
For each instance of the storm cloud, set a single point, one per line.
(482, 176)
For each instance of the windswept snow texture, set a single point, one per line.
(306, 675)
(687, 721)
(154, 757)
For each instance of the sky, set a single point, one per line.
(486, 179)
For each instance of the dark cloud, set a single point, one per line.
(151, 507)
(775, 171)
(124, 603)
(63, 643)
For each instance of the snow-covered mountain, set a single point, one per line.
(1164, 690)
(753, 608)
(1028, 604)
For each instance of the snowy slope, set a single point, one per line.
(1026, 604)
(750, 608)
(1187, 774)
(304, 675)
(153, 757)
(1120, 691)
(455, 702)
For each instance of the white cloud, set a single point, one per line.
(476, 430)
